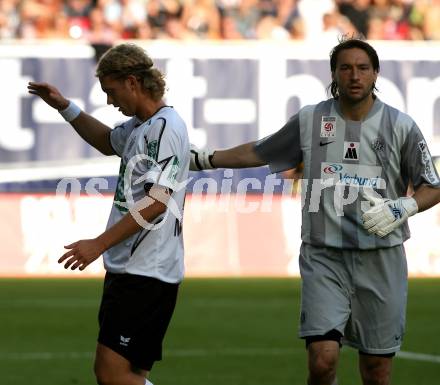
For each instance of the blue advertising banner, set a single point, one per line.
(227, 94)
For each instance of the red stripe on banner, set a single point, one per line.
(233, 235)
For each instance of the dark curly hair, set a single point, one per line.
(348, 43)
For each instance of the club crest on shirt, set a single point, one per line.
(351, 151)
(378, 144)
(328, 127)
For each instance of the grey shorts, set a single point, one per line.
(360, 293)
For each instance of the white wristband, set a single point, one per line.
(71, 112)
(410, 205)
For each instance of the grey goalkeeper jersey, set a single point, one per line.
(154, 152)
(384, 153)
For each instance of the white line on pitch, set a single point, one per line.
(169, 352)
(418, 357)
(30, 356)
(232, 352)
(43, 356)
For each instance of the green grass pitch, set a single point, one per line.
(224, 331)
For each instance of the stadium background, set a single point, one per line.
(231, 85)
(228, 93)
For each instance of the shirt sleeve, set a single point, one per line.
(417, 163)
(119, 135)
(282, 150)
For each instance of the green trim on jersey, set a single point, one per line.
(172, 175)
(119, 192)
(152, 151)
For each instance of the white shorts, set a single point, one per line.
(360, 293)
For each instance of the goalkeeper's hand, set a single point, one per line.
(200, 159)
(386, 214)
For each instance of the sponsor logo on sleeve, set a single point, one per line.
(427, 162)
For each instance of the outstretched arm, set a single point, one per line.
(242, 156)
(90, 129)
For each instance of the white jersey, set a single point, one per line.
(386, 152)
(154, 152)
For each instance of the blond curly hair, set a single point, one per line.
(128, 59)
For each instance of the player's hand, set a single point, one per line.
(82, 253)
(386, 214)
(49, 94)
(200, 159)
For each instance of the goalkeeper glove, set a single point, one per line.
(200, 159)
(386, 214)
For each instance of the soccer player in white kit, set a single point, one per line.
(360, 155)
(142, 246)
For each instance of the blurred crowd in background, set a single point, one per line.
(105, 21)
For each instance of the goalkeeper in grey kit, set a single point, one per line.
(364, 153)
